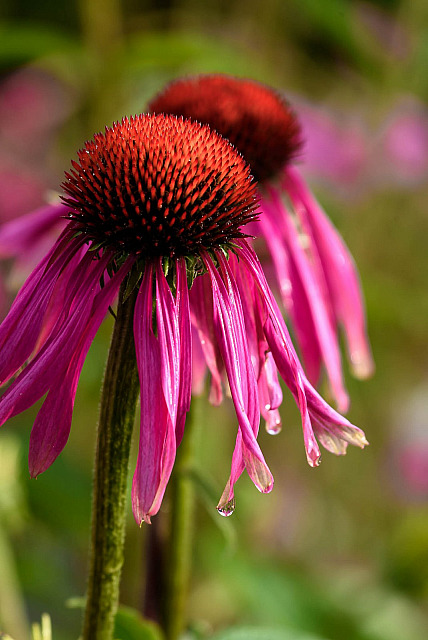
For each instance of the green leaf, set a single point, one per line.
(259, 633)
(129, 625)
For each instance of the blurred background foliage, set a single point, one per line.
(332, 553)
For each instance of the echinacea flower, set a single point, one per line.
(163, 201)
(316, 274)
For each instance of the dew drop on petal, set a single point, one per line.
(227, 508)
(273, 428)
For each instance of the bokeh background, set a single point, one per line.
(334, 553)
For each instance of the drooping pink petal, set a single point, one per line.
(51, 429)
(201, 310)
(48, 364)
(20, 329)
(230, 332)
(199, 365)
(308, 297)
(269, 390)
(293, 373)
(154, 412)
(185, 335)
(339, 271)
(293, 297)
(270, 395)
(163, 358)
(18, 236)
(316, 413)
(169, 342)
(61, 292)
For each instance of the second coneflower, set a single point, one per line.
(314, 269)
(159, 204)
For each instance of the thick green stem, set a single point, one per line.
(178, 564)
(117, 414)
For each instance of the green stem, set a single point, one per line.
(102, 34)
(178, 565)
(117, 414)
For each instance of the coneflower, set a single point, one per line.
(315, 272)
(159, 205)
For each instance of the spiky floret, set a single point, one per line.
(255, 118)
(157, 185)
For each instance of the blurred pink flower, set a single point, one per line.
(32, 106)
(21, 190)
(402, 149)
(408, 451)
(337, 147)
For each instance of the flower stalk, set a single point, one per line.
(117, 414)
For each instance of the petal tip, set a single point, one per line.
(226, 508)
(315, 461)
(362, 366)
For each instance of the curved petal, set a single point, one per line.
(19, 235)
(51, 429)
(185, 335)
(293, 297)
(165, 393)
(201, 310)
(20, 329)
(314, 410)
(308, 297)
(230, 332)
(339, 271)
(49, 363)
(154, 413)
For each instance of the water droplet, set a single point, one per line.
(273, 429)
(273, 423)
(227, 508)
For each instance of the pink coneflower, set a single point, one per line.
(314, 270)
(160, 201)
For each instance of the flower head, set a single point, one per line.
(258, 121)
(162, 199)
(156, 186)
(315, 272)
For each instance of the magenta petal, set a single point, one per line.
(20, 329)
(52, 426)
(201, 309)
(230, 332)
(308, 297)
(270, 394)
(19, 235)
(49, 363)
(295, 302)
(159, 393)
(199, 366)
(312, 407)
(293, 379)
(185, 335)
(339, 271)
